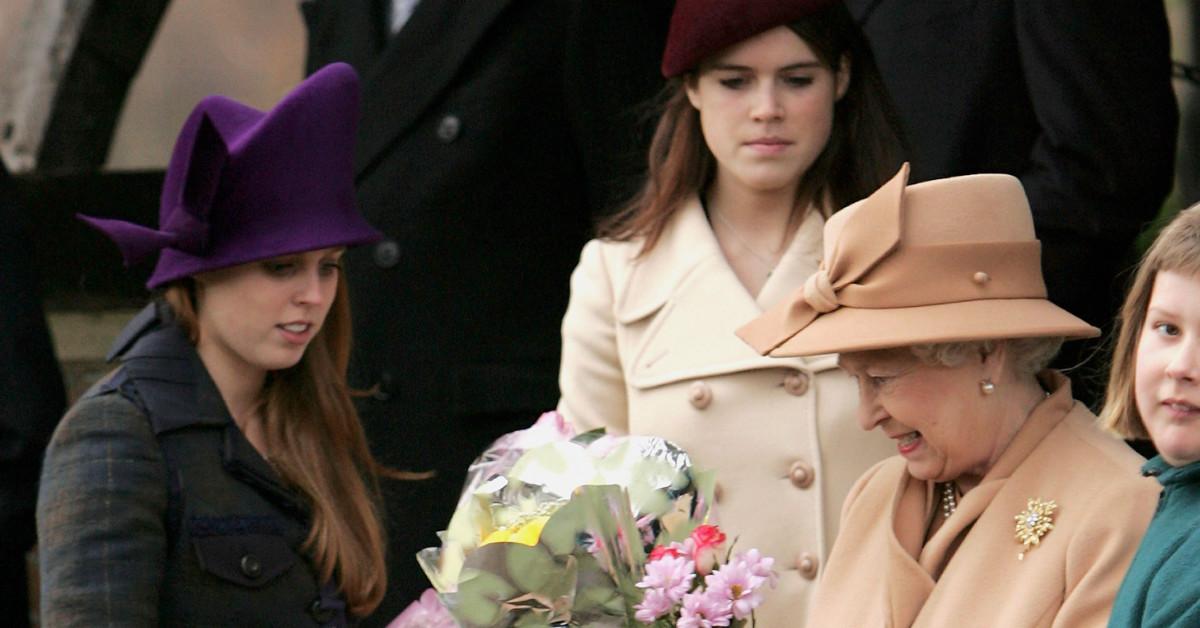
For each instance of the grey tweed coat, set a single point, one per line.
(155, 509)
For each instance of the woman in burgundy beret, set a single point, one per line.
(775, 118)
(219, 476)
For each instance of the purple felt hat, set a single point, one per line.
(245, 185)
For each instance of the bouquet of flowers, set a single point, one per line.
(728, 596)
(554, 529)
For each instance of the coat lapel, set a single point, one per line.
(416, 67)
(908, 585)
(353, 31)
(698, 302)
(244, 462)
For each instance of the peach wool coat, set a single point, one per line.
(882, 573)
(649, 348)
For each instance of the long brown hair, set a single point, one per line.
(1177, 249)
(863, 151)
(317, 444)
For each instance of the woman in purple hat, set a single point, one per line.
(219, 476)
(775, 118)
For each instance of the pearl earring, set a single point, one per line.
(986, 386)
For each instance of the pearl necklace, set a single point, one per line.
(949, 499)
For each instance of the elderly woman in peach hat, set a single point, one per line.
(1006, 505)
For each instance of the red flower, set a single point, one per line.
(660, 550)
(707, 536)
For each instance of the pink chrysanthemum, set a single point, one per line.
(703, 610)
(654, 604)
(670, 574)
(759, 565)
(736, 583)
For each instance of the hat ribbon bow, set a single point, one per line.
(182, 231)
(868, 236)
(819, 293)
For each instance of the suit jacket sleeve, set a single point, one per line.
(1099, 556)
(591, 379)
(611, 60)
(1100, 85)
(101, 507)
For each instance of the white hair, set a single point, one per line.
(1027, 356)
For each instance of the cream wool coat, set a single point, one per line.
(882, 574)
(649, 348)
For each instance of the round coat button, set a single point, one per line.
(386, 254)
(807, 565)
(319, 613)
(251, 566)
(796, 383)
(700, 395)
(718, 492)
(801, 474)
(449, 128)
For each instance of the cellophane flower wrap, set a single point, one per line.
(553, 528)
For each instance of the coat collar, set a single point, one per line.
(689, 287)
(170, 378)
(178, 394)
(416, 67)
(1168, 475)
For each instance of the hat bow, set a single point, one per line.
(863, 243)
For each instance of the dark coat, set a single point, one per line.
(492, 132)
(31, 391)
(155, 509)
(1072, 97)
(31, 386)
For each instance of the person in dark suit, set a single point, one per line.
(1073, 98)
(493, 132)
(31, 389)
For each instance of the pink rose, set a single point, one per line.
(708, 545)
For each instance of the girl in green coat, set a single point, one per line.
(1154, 392)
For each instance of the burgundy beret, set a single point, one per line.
(700, 28)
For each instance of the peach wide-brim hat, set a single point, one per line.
(947, 260)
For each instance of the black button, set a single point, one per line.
(321, 614)
(251, 566)
(386, 254)
(449, 128)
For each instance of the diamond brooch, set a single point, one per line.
(1033, 523)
